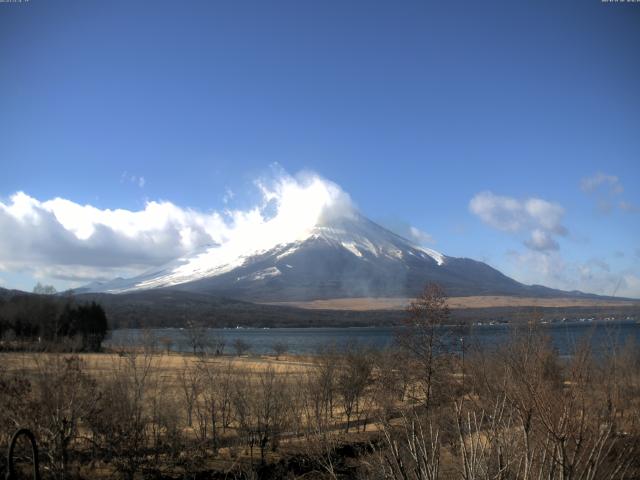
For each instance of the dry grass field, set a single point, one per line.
(169, 378)
(367, 303)
(168, 366)
(168, 381)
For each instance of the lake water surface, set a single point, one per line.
(565, 336)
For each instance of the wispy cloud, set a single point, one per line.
(606, 190)
(421, 237)
(553, 270)
(140, 181)
(228, 196)
(405, 229)
(538, 219)
(629, 207)
(611, 182)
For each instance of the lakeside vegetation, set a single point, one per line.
(516, 411)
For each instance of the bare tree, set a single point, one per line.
(422, 336)
(44, 289)
(196, 336)
(65, 396)
(240, 346)
(15, 407)
(190, 386)
(280, 348)
(218, 343)
(393, 379)
(260, 410)
(549, 419)
(213, 407)
(323, 382)
(410, 451)
(353, 377)
(120, 424)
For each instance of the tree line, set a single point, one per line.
(47, 321)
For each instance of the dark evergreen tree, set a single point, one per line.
(39, 318)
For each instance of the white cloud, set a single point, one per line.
(540, 220)
(540, 224)
(61, 239)
(546, 214)
(421, 237)
(403, 228)
(541, 241)
(503, 213)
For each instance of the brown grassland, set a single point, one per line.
(487, 301)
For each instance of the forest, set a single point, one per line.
(47, 322)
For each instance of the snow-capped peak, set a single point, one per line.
(345, 230)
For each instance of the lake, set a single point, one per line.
(565, 336)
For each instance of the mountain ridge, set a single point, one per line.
(342, 256)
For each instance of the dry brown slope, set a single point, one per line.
(366, 303)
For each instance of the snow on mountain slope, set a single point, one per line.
(349, 232)
(307, 241)
(343, 255)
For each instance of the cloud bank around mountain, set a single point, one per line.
(65, 242)
(61, 239)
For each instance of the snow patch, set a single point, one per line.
(437, 256)
(352, 248)
(287, 252)
(266, 273)
(393, 253)
(261, 274)
(353, 233)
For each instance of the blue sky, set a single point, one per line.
(413, 108)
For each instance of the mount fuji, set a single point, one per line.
(341, 255)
